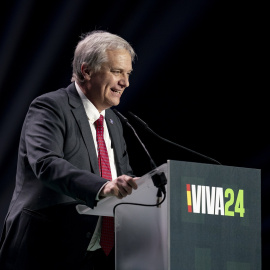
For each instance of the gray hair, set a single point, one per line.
(92, 48)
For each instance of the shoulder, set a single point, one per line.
(56, 96)
(59, 98)
(52, 105)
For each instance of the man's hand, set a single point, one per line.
(119, 187)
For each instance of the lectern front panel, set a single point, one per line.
(215, 217)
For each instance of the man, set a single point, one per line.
(60, 164)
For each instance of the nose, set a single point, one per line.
(124, 81)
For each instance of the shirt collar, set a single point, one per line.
(91, 111)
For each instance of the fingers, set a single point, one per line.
(125, 184)
(120, 187)
(132, 182)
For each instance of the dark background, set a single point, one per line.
(200, 78)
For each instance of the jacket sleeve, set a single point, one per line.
(45, 133)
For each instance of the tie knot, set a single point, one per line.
(99, 122)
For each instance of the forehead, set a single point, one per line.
(119, 58)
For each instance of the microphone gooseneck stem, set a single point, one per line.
(159, 180)
(125, 120)
(175, 144)
(153, 164)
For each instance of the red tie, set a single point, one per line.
(107, 228)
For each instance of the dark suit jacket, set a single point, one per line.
(57, 169)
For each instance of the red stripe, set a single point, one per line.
(107, 229)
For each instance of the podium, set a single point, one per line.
(209, 220)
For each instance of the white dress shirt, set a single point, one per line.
(92, 115)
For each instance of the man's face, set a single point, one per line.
(106, 86)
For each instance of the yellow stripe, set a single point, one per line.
(188, 197)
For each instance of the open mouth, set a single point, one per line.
(116, 91)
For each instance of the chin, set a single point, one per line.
(115, 103)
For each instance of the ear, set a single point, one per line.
(86, 72)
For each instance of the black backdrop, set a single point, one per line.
(200, 78)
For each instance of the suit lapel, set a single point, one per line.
(82, 121)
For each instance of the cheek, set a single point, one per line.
(110, 83)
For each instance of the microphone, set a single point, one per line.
(158, 180)
(142, 123)
(125, 121)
